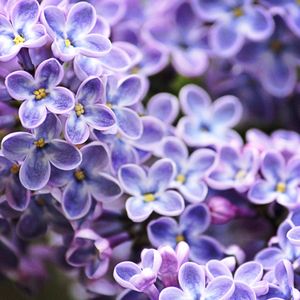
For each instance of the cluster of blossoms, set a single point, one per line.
(121, 169)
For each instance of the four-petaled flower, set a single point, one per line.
(149, 190)
(40, 93)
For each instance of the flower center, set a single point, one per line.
(40, 94)
(149, 197)
(109, 105)
(79, 109)
(298, 2)
(241, 174)
(180, 178)
(40, 202)
(68, 43)
(40, 143)
(238, 12)
(14, 169)
(79, 175)
(276, 45)
(179, 238)
(18, 39)
(280, 187)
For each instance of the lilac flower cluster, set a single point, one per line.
(126, 158)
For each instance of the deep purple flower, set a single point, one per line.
(37, 151)
(235, 21)
(40, 93)
(205, 123)
(182, 34)
(140, 277)
(88, 181)
(190, 171)
(149, 191)
(236, 169)
(71, 33)
(21, 30)
(16, 195)
(280, 181)
(273, 61)
(192, 223)
(90, 251)
(88, 112)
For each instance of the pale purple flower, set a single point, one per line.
(237, 168)
(120, 96)
(234, 22)
(40, 93)
(273, 62)
(150, 190)
(280, 181)
(88, 181)
(192, 170)
(21, 30)
(140, 277)
(88, 112)
(37, 151)
(89, 251)
(182, 34)
(208, 123)
(192, 224)
(71, 32)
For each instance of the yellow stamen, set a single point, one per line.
(280, 187)
(79, 175)
(40, 94)
(41, 202)
(109, 105)
(180, 178)
(238, 12)
(241, 174)
(14, 169)
(79, 109)
(40, 143)
(276, 45)
(179, 238)
(149, 197)
(18, 39)
(68, 43)
(135, 70)
(298, 2)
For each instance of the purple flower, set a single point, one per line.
(171, 262)
(235, 21)
(280, 181)
(124, 150)
(191, 279)
(71, 33)
(283, 285)
(247, 279)
(21, 30)
(140, 277)
(190, 171)
(192, 223)
(181, 33)
(120, 96)
(88, 181)
(40, 93)
(90, 251)
(88, 112)
(273, 61)
(149, 190)
(205, 123)
(16, 195)
(37, 151)
(236, 169)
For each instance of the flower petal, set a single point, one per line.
(137, 209)
(220, 288)
(124, 271)
(294, 236)
(249, 273)
(76, 200)
(93, 45)
(90, 91)
(272, 166)
(163, 231)
(15, 146)
(243, 291)
(172, 293)
(54, 19)
(35, 170)
(175, 149)
(63, 155)
(60, 100)
(262, 192)
(76, 129)
(216, 268)
(32, 114)
(132, 179)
